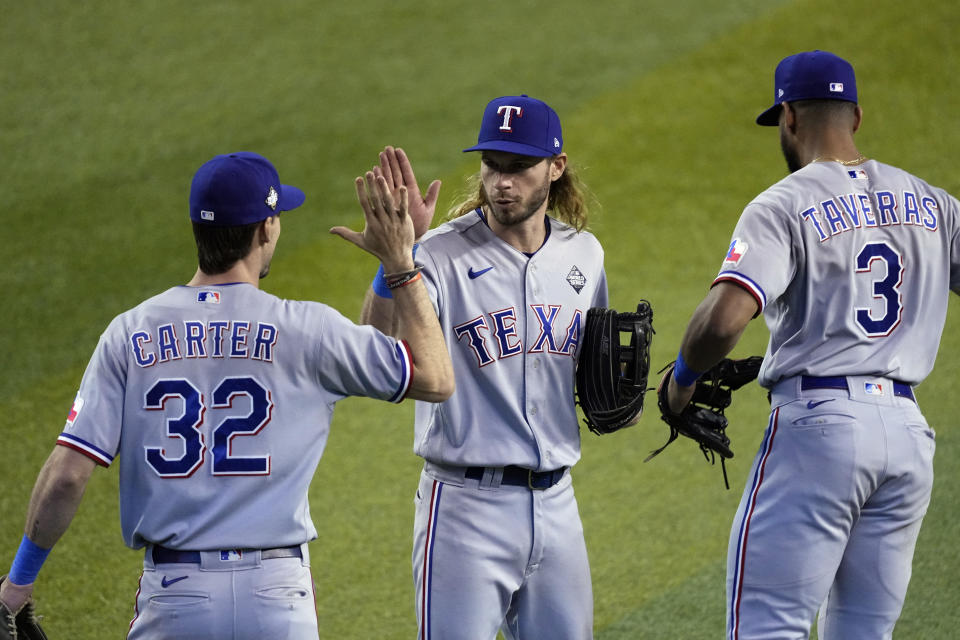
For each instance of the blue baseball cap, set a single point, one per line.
(522, 125)
(239, 188)
(810, 75)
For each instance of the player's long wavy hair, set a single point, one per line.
(569, 200)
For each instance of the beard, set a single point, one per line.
(790, 153)
(520, 211)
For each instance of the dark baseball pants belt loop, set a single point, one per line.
(901, 389)
(521, 477)
(163, 555)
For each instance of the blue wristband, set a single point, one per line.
(27, 563)
(684, 375)
(379, 283)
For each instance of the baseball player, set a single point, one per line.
(851, 262)
(216, 398)
(498, 542)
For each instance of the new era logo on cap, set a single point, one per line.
(521, 125)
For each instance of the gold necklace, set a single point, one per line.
(860, 158)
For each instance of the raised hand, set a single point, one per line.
(388, 230)
(396, 169)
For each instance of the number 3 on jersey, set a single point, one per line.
(187, 427)
(886, 288)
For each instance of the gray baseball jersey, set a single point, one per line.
(852, 267)
(512, 325)
(491, 555)
(218, 402)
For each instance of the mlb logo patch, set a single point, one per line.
(74, 410)
(857, 174)
(737, 248)
(836, 87)
(206, 215)
(231, 555)
(873, 388)
(210, 297)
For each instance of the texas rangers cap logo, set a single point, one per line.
(508, 111)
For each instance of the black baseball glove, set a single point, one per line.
(612, 376)
(21, 624)
(703, 419)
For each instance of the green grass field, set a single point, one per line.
(108, 108)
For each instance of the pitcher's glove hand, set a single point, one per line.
(703, 419)
(21, 624)
(611, 377)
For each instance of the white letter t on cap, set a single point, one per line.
(508, 112)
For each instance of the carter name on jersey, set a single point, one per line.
(214, 339)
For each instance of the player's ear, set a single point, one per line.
(858, 118)
(558, 164)
(263, 232)
(789, 117)
(268, 227)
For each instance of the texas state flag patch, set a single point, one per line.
(75, 410)
(737, 248)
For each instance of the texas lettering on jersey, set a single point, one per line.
(493, 336)
(214, 339)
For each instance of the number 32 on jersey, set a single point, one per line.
(186, 427)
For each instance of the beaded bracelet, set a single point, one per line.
(379, 283)
(402, 279)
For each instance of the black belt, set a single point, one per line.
(163, 555)
(901, 389)
(521, 477)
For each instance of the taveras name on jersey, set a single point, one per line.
(858, 210)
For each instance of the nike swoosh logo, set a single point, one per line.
(476, 274)
(813, 405)
(166, 583)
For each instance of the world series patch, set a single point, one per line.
(576, 279)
